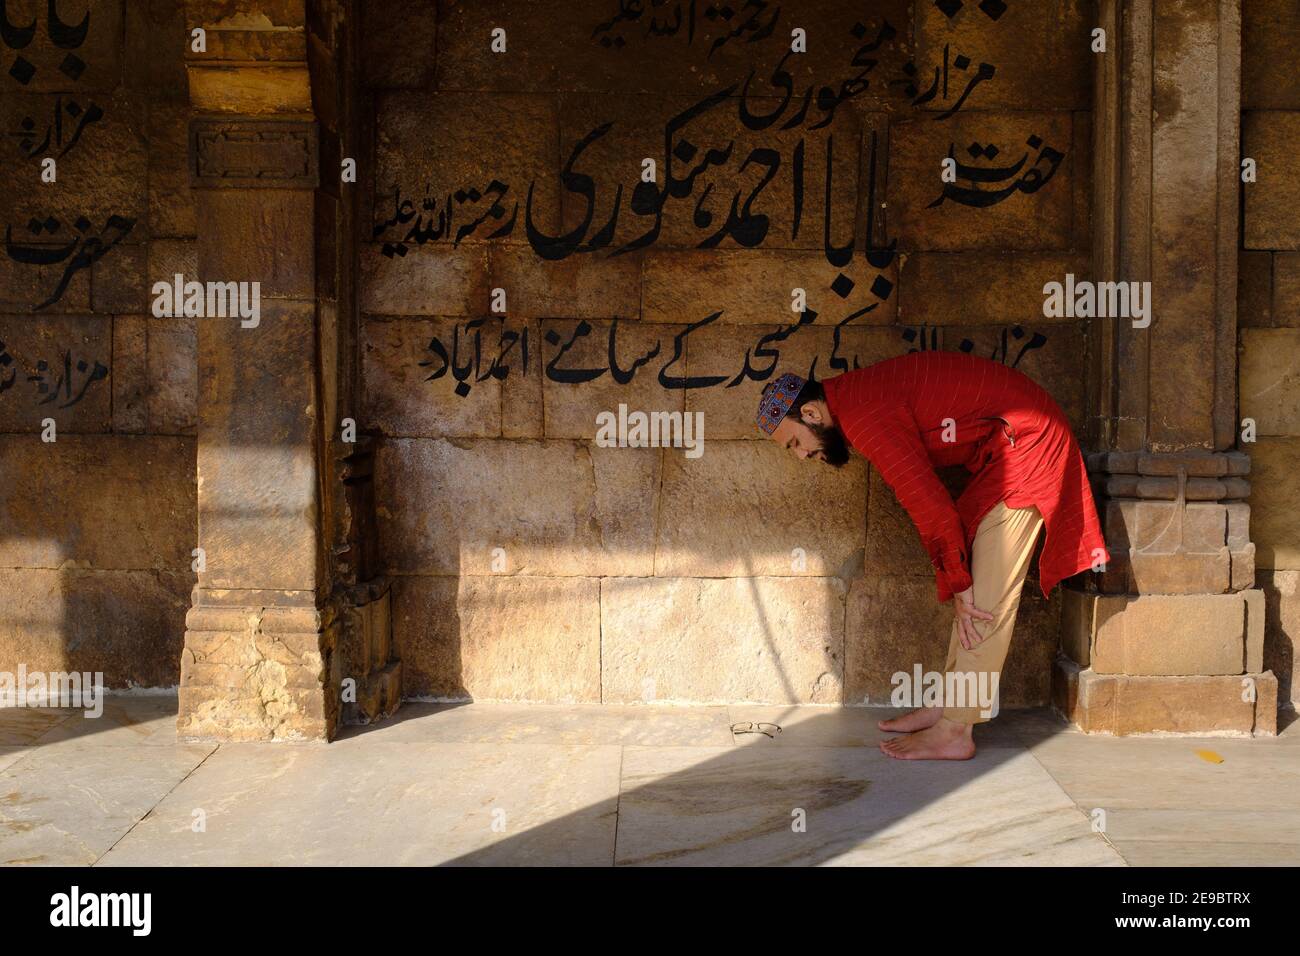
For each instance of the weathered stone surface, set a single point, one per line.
(979, 288)
(24, 286)
(99, 54)
(1275, 520)
(102, 175)
(117, 282)
(173, 376)
(399, 399)
(499, 638)
(1022, 221)
(553, 508)
(1269, 220)
(101, 502)
(1286, 289)
(208, 712)
(250, 90)
(126, 624)
(428, 280)
(591, 287)
(1178, 573)
(1057, 76)
(689, 52)
(1270, 32)
(429, 145)
(157, 38)
(1270, 380)
(756, 285)
(130, 374)
(570, 409)
(253, 42)
(1121, 705)
(1254, 289)
(171, 202)
(738, 199)
(784, 640)
(721, 350)
(521, 391)
(1282, 630)
(1162, 635)
(775, 506)
(262, 235)
(261, 153)
(397, 52)
(258, 484)
(47, 377)
(231, 15)
(1161, 526)
(892, 624)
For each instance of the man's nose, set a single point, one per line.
(801, 453)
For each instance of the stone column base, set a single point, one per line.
(258, 673)
(1123, 704)
(371, 675)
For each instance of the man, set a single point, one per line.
(910, 414)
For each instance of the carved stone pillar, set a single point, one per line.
(259, 659)
(1170, 636)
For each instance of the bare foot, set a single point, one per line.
(946, 740)
(918, 719)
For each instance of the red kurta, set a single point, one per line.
(1009, 433)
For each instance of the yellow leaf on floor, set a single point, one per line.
(1209, 755)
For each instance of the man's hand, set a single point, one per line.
(967, 614)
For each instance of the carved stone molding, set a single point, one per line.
(254, 154)
(1169, 476)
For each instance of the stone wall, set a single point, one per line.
(531, 563)
(1269, 318)
(96, 526)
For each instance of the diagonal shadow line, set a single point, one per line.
(735, 808)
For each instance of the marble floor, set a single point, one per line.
(493, 784)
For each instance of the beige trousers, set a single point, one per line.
(1004, 543)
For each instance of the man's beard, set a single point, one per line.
(834, 446)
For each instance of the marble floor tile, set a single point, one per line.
(362, 802)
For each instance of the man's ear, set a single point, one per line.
(811, 414)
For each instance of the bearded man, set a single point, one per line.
(917, 412)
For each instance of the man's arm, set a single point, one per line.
(889, 437)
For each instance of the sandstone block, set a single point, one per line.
(130, 375)
(1024, 220)
(499, 638)
(552, 508)
(433, 144)
(1056, 77)
(97, 502)
(653, 51)
(398, 358)
(1275, 520)
(127, 625)
(576, 287)
(783, 643)
(1270, 380)
(679, 285)
(984, 288)
(1268, 136)
(59, 367)
(570, 408)
(748, 508)
(428, 280)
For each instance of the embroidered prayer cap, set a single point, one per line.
(777, 398)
